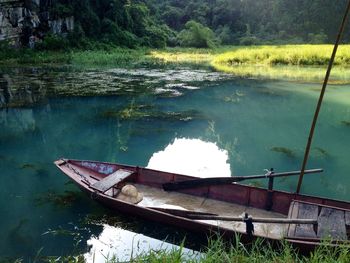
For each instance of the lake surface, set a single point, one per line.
(148, 117)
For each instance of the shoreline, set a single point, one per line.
(296, 62)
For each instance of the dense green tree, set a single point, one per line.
(196, 35)
(156, 23)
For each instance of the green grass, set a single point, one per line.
(219, 251)
(119, 56)
(13, 57)
(296, 55)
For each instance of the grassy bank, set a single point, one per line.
(218, 251)
(294, 62)
(118, 56)
(296, 55)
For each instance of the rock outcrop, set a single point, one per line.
(25, 20)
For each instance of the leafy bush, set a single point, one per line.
(157, 36)
(53, 42)
(196, 35)
(6, 51)
(249, 41)
(126, 39)
(60, 10)
(319, 38)
(75, 37)
(225, 35)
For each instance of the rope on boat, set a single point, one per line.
(78, 173)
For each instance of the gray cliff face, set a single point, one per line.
(11, 17)
(22, 20)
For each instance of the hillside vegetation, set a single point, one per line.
(101, 24)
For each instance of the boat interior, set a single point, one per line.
(225, 200)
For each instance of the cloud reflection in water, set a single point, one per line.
(123, 245)
(192, 157)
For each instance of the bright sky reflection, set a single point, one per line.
(192, 157)
(124, 245)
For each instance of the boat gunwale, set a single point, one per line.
(244, 185)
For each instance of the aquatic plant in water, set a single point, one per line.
(234, 97)
(286, 151)
(38, 171)
(132, 111)
(28, 166)
(62, 200)
(138, 112)
(321, 152)
(346, 123)
(17, 235)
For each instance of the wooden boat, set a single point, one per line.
(302, 220)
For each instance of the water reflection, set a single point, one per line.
(17, 90)
(192, 157)
(123, 245)
(250, 124)
(28, 86)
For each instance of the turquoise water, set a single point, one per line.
(258, 124)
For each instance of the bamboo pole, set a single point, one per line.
(180, 212)
(227, 180)
(319, 103)
(256, 220)
(209, 216)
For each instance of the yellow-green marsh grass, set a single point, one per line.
(306, 55)
(293, 62)
(184, 56)
(198, 56)
(339, 75)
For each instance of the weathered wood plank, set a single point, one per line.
(347, 218)
(109, 181)
(227, 180)
(293, 213)
(331, 223)
(307, 211)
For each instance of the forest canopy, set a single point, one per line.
(198, 23)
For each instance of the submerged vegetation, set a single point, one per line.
(57, 199)
(146, 112)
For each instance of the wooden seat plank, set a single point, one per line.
(331, 223)
(347, 218)
(293, 213)
(306, 211)
(109, 181)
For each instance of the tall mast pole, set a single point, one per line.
(313, 125)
